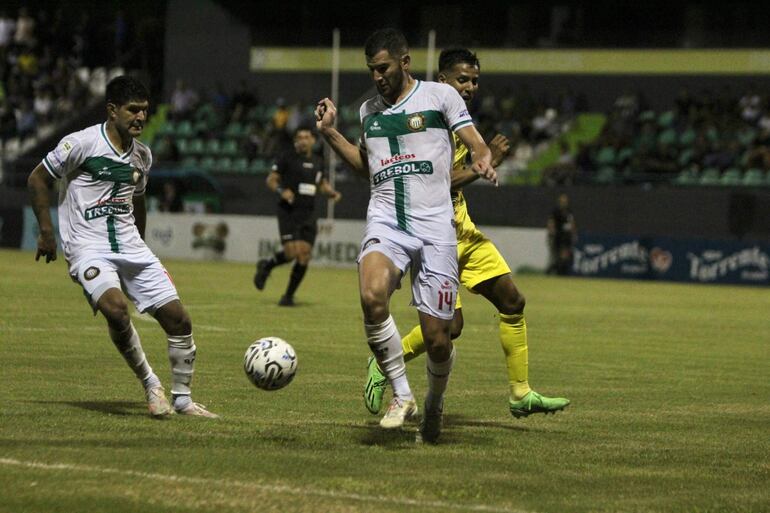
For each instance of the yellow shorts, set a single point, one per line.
(478, 260)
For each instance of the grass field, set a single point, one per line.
(670, 387)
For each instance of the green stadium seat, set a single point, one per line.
(235, 130)
(167, 128)
(687, 177)
(223, 165)
(687, 137)
(202, 127)
(184, 129)
(229, 148)
(207, 163)
(240, 165)
(666, 119)
(746, 136)
(159, 145)
(754, 178)
(709, 176)
(625, 154)
(196, 147)
(731, 177)
(685, 157)
(260, 166)
(213, 147)
(605, 175)
(606, 156)
(189, 162)
(647, 115)
(667, 136)
(183, 145)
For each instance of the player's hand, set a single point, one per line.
(325, 114)
(336, 196)
(485, 170)
(499, 146)
(46, 246)
(287, 195)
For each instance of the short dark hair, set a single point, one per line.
(452, 56)
(304, 128)
(390, 39)
(123, 89)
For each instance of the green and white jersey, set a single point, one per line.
(410, 149)
(97, 184)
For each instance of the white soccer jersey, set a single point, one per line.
(410, 149)
(95, 192)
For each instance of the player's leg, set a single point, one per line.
(502, 292)
(434, 293)
(175, 321)
(101, 285)
(266, 265)
(302, 252)
(149, 286)
(378, 278)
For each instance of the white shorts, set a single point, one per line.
(140, 276)
(433, 267)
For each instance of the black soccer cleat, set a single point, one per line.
(286, 301)
(262, 273)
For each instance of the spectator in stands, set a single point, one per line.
(184, 99)
(43, 105)
(171, 200)
(7, 30)
(562, 236)
(25, 28)
(563, 171)
(26, 121)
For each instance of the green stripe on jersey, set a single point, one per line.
(108, 170)
(400, 188)
(393, 125)
(111, 235)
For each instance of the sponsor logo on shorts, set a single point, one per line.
(371, 242)
(91, 273)
(419, 167)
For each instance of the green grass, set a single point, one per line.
(669, 385)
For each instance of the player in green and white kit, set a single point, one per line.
(406, 152)
(102, 173)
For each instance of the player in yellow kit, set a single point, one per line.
(482, 268)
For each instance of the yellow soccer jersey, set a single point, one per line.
(463, 225)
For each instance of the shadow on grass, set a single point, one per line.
(126, 408)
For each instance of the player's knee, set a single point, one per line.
(115, 310)
(374, 305)
(438, 346)
(513, 303)
(304, 258)
(456, 328)
(179, 325)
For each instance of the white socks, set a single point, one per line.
(385, 343)
(438, 377)
(130, 347)
(181, 355)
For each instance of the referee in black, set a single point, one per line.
(296, 178)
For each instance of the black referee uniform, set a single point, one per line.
(302, 175)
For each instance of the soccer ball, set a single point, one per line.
(270, 363)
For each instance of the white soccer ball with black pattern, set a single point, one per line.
(270, 363)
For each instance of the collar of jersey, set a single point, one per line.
(399, 104)
(104, 134)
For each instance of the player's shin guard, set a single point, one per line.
(130, 347)
(413, 344)
(513, 338)
(385, 343)
(438, 377)
(181, 355)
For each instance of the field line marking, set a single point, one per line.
(149, 318)
(70, 467)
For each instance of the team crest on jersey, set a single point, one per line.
(415, 122)
(67, 146)
(135, 176)
(91, 273)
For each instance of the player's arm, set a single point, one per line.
(38, 183)
(482, 156)
(273, 182)
(140, 214)
(352, 155)
(462, 175)
(326, 189)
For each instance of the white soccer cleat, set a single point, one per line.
(157, 402)
(398, 412)
(197, 410)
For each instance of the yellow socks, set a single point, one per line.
(513, 338)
